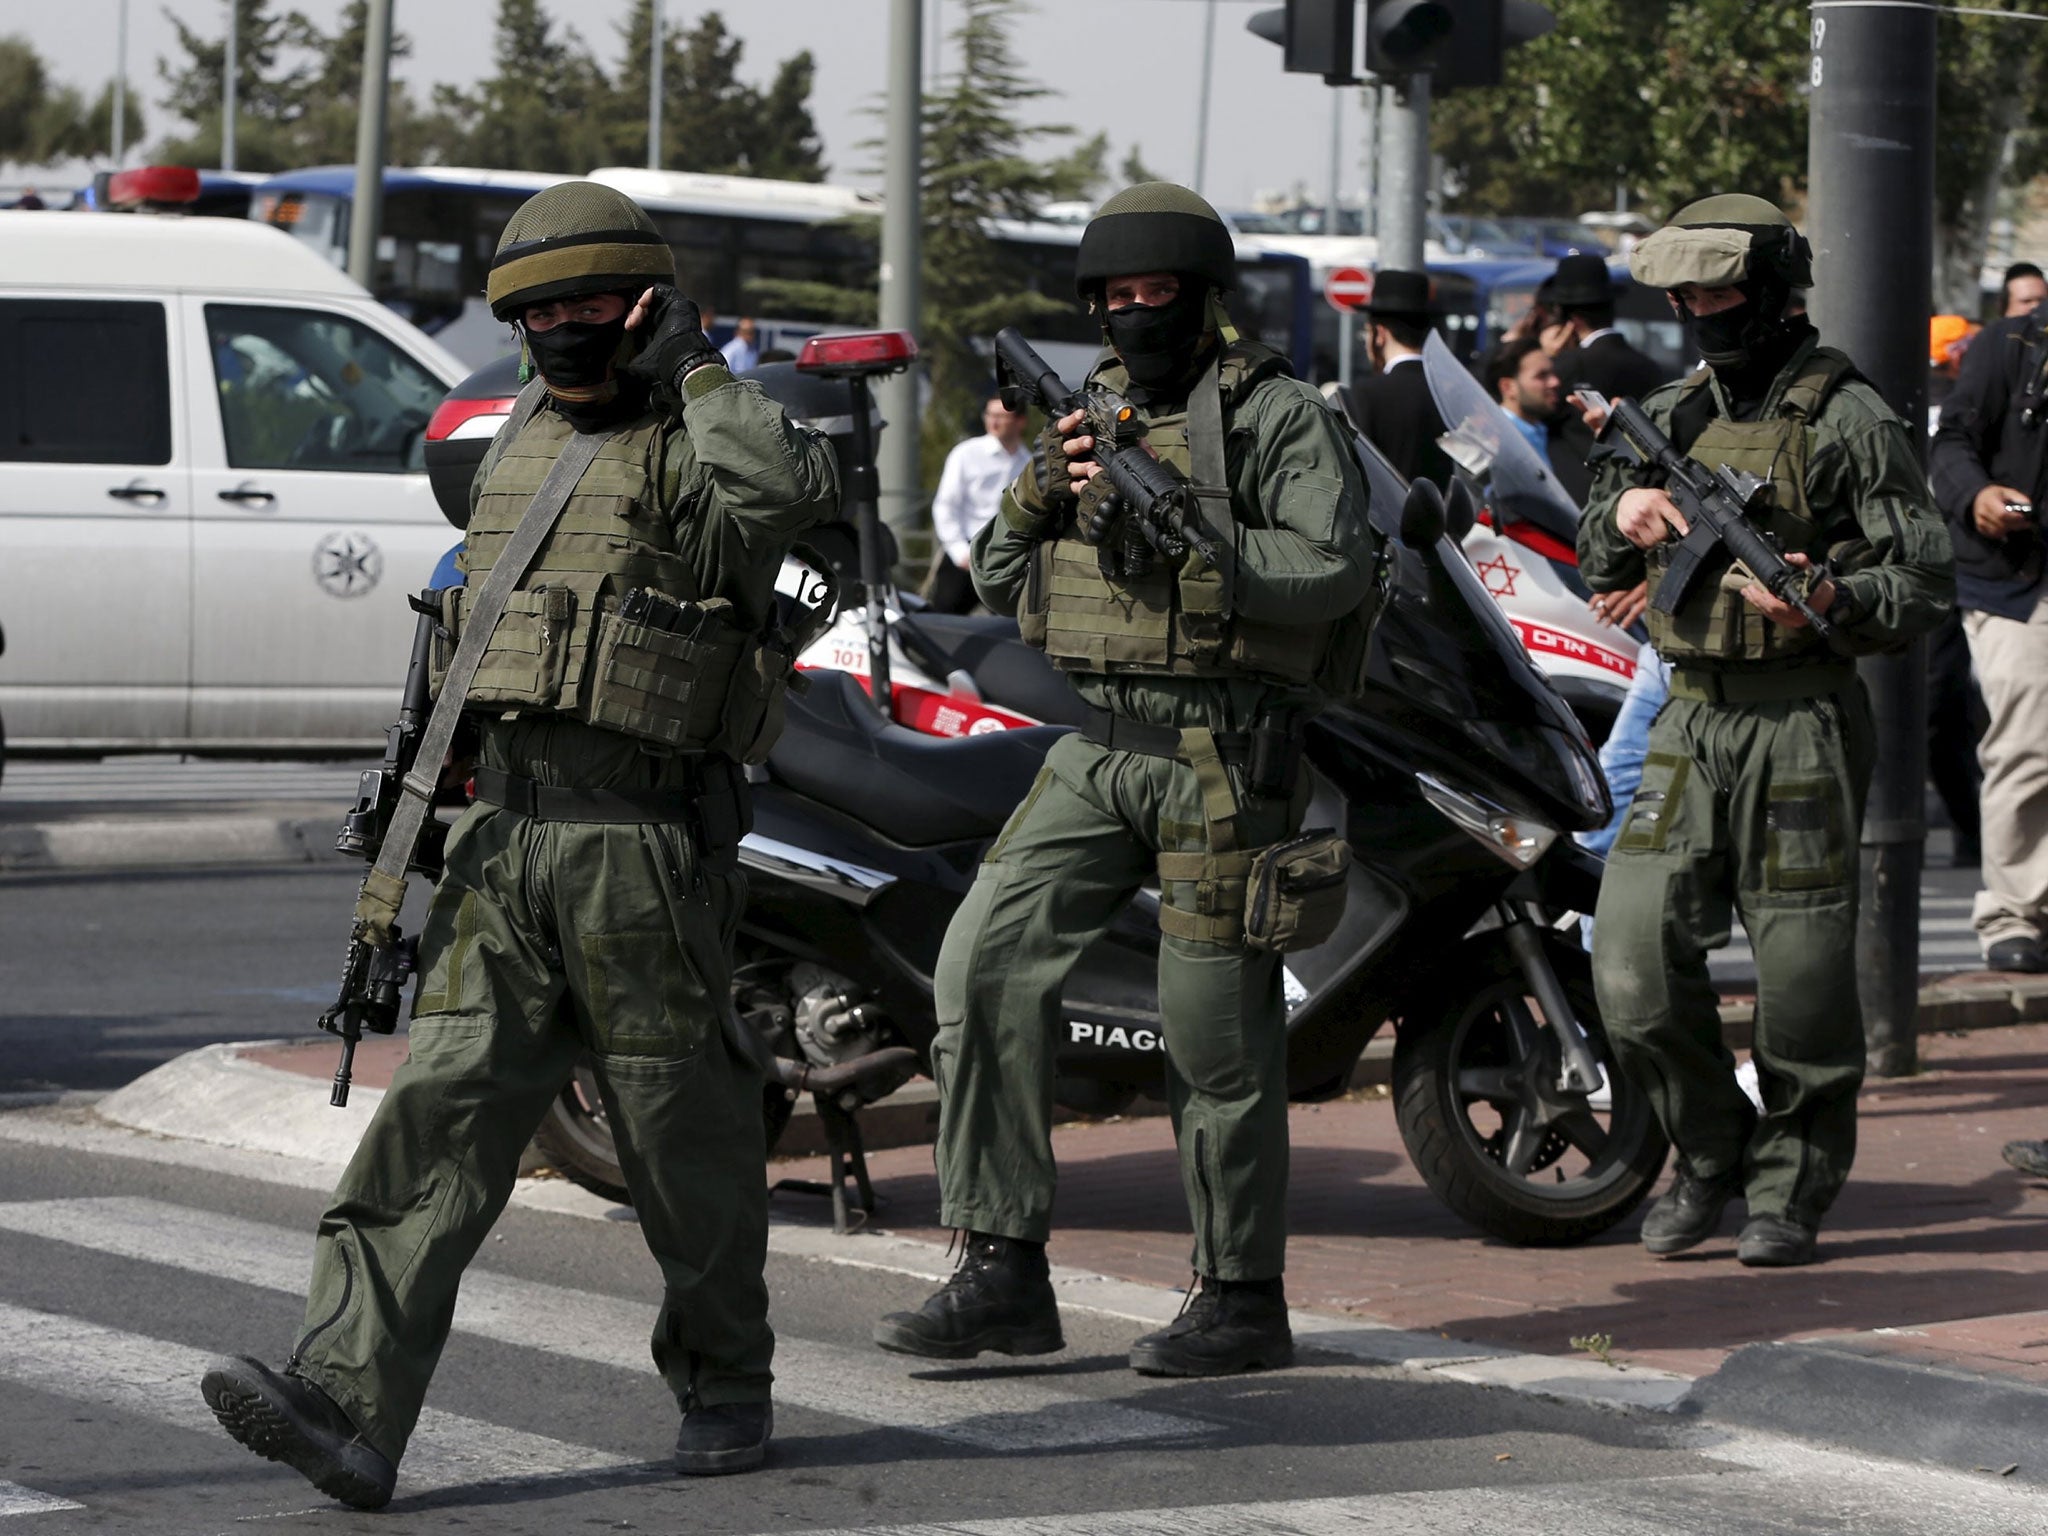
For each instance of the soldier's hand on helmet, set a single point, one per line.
(1991, 515)
(1783, 614)
(672, 339)
(1647, 517)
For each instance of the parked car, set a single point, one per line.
(213, 498)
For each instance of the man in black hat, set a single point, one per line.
(1593, 351)
(1395, 410)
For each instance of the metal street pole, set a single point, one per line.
(1871, 219)
(1369, 160)
(120, 124)
(1202, 111)
(366, 219)
(902, 154)
(228, 83)
(1404, 174)
(654, 62)
(1333, 223)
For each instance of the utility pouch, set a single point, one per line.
(1273, 767)
(1294, 897)
(526, 661)
(666, 685)
(755, 705)
(1037, 601)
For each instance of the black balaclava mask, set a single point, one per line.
(1748, 344)
(580, 364)
(1158, 342)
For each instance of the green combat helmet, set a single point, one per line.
(576, 237)
(1731, 240)
(1155, 226)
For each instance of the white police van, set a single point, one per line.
(212, 496)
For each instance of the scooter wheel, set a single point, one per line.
(1475, 1092)
(575, 1137)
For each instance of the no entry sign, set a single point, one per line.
(1348, 288)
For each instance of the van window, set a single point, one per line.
(309, 389)
(86, 381)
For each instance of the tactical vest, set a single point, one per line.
(1715, 623)
(563, 646)
(1087, 619)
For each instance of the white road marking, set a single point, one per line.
(17, 1500)
(159, 1380)
(860, 1384)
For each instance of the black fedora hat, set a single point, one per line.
(1581, 280)
(1395, 292)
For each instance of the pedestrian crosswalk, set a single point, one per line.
(1012, 1414)
(171, 779)
(152, 1380)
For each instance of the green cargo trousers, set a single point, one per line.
(1759, 805)
(546, 939)
(1083, 841)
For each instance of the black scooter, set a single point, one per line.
(1457, 775)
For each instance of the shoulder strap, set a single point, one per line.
(384, 887)
(1819, 376)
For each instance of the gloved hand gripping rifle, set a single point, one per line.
(373, 977)
(1716, 506)
(1158, 503)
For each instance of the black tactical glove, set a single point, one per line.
(1043, 489)
(672, 340)
(1097, 510)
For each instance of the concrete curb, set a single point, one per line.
(199, 840)
(1840, 1395)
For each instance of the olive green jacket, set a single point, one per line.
(740, 482)
(1302, 550)
(1862, 476)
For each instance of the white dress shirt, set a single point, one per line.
(740, 354)
(971, 490)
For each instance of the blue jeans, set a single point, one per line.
(1621, 757)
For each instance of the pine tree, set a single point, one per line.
(711, 119)
(543, 107)
(271, 98)
(24, 92)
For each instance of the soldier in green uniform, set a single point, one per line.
(1198, 678)
(1753, 787)
(592, 890)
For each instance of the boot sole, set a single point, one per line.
(1000, 1341)
(1157, 1363)
(741, 1458)
(1664, 1247)
(251, 1418)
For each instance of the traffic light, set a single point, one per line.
(1455, 42)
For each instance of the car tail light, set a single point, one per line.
(151, 184)
(451, 417)
(858, 353)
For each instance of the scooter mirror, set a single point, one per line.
(1461, 509)
(1422, 515)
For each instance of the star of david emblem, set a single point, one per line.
(347, 564)
(1498, 575)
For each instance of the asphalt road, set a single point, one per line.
(103, 976)
(119, 1278)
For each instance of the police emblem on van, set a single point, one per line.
(347, 564)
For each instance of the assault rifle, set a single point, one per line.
(1159, 504)
(373, 979)
(1716, 505)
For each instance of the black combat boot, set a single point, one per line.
(1230, 1326)
(727, 1437)
(1776, 1242)
(1690, 1211)
(288, 1419)
(1000, 1298)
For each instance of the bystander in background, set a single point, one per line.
(969, 494)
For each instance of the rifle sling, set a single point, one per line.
(385, 884)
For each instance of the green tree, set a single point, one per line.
(1991, 136)
(1133, 169)
(978, 167)
(1079, 175)
(711, 119)
(24, 91)
(270, 96)
(542, 109)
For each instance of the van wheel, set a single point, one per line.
(1475, 1074)
(576, 1138)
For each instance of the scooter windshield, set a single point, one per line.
(1483, 442)
(1449, 673)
